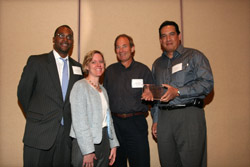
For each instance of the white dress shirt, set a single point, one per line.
(60, 64)
(104, 109)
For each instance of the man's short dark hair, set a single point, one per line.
(130, 39)
(169, 23)
(60, 27)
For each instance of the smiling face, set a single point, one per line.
(63, 41)
(96, 66)
(124, 51)
(169, 39)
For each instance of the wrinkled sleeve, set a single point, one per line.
(203, 84)
(154, 113)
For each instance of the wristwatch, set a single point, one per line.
(179, 93)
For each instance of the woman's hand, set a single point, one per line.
(88, 160)
(112, 156)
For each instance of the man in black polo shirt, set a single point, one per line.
(124, 81)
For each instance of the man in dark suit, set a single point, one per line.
(46, 107)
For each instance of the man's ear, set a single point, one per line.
(179, 36)
(160, 41)
(133, 49)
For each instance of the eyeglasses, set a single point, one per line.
(62, 36)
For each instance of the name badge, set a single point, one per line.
(137, 83)
(176, 68)
(77, 70)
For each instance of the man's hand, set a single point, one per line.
(147, 94)
(171, 93)
(154, 130)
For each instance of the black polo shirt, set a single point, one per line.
(120, 83)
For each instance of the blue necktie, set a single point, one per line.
(65, 81)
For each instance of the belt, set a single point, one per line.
(127, 115)
(196, 103)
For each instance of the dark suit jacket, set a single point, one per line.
(40, 94)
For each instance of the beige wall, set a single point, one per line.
(219, 28)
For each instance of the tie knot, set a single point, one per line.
(64, 60)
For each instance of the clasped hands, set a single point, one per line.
(169, 95)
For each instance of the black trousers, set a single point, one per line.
(181, 136)
(57, 156)
(102, 152)
(132, 134)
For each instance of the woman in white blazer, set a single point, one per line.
(94, 139)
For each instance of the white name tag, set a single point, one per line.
(176, 68)
(77, 70)
(137, 83)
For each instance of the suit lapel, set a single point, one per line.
(52, 68)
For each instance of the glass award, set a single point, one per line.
(157, 91)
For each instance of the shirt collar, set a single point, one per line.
(180, 49)
(177, 52)
(57, 56)
(131, 65)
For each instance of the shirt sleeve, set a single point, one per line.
(154, 113)
(203, 82)
(27, 83)
(148, 77)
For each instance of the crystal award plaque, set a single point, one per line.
(157, 91)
